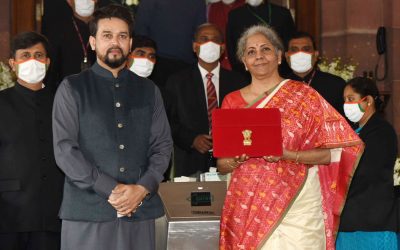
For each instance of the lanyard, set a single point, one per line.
(260, 18)
(311, 78)
(84, 48)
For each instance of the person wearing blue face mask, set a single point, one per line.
(369, 217)
(31, 184)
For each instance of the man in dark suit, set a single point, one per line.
(191, 95)
(252, 13)
(302, 57)
(31, 184)
(69, 41)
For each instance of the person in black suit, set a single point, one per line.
(370, 215)
(256, 12)
(69, 43)
(188, 102)
(302, 56)
(31, 184)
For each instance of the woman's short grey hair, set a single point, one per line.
(264, 30)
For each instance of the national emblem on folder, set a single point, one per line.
(247, 137)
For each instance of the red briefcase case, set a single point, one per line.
(255, 132)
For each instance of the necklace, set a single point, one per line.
(268, 92)
(366, 120)
(264, 94)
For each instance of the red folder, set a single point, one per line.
(255, 132)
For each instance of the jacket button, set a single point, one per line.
(122, 169)
(117, 104)
(44, 177)
(120, 125)
(121, 146)
(117, 85)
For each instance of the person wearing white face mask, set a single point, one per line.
(84, 8)
(143, 56)
(191, 95)
(254, 3)
(369, 218)
(218, 15)
(71, 53)
(30, 183)
(302, 56)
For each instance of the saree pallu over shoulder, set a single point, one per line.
(260, 193)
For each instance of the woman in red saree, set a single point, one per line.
(293, 201)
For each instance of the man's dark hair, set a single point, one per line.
(204, 25)
(26, 40)
(303, 34)
(143, 41)
(111, 11)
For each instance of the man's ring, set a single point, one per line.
(140, 204)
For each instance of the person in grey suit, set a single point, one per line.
(188, 102)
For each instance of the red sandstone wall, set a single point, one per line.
(5, 29)
(348, 30)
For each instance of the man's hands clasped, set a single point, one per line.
(127, 198)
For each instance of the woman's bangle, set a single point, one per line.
(297, 157)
